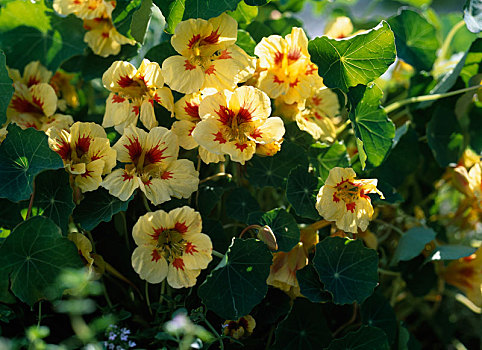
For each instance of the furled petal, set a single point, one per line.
(148, 117)
(91, 179)
(150, 73)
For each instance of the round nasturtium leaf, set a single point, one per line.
(33, 257)
(283, 225)
(301, 191)
(239, 203)
(238, 283)
(311, 286)
(304, 328)
(347, 269)
(366, 338)
(6, 89)
(377, 312)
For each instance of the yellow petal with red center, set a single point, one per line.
(148, 117)
(150, 73)
(35, 73)
(25, 121)
(369, 186)
(208, 134)
(183, 129)
(119, 76)
(103, 38)
(272, 130)
(148, 227)
(210, 157)
(178, 276)
(297, 43)
(89, 130)
(92, 178)
(130, 146)
(164, 97)
(198, 251)
(338, 174)
(117, 110)
(85, 9)
(274, 83)
(251, 104)
(84, 246)
(271, 51)
(216, 106)
(285, 264)
(186, 220)
(58, 121)
(475, 180)
(268, 149)
(225, 32)
(187, 107)
(43, 96)
(121, 184)
(100, 149)
(319, 127)
(59, 141)
(341, 27)
(182, 75)
(325, 102)
(240, 151)
(161, 146)
(76, 169)
(149, 264)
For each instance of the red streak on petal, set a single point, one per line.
(225, 115)
(193, 40)
(256, 134)
(105, 35)
(311, 69)
(219, 137)
(188, 65)
(135, 109)
(134, 148)
(351, 206)
(190, 248)
(82, 145)
(244, 115)
(224, 55)
(166, 175)
(295, 83)
(96, 156)
(86, 174)
(178, 263)
(316, 100)
(117, 99)
(363, 194)
(335, 198)
(155, 155)
(125, 81)
(241, 147)
(277, 80)
(192, 110)
(210, 70)
(127, 177)
(21, 105)
(278, 57)
(318, 116)
(294, 54)
(32, 81)
(64, 149)
(157, 233)
(155, 255)
(181, 227)
(212, 38)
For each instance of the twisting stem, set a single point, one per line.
(219, 337)
(342, 127)
(350, 321)
(247, 228)
(146, 204)
(396, 105)
(448, 39)
(30, 204)
(215, 176)
(319, 225)
(218, 254)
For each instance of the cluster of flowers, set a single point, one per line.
(118, 338)
(102, 36)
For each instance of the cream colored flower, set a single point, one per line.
(208, 58)
(345, 200)
(339, 28)
(133, 93)
(84, 9)
(66, 92)
(186, 110)
(151, 165)
(170, 244)
(103, 38)
(33, 73)
(94, 263)
(286, 71)
(86, 153)
(235, 122)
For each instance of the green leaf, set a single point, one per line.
(244, 14)
(283, 225)
(33, 257)
(6, 89)
(419, 277)
(160, 52)
(281, 27)
(475, 126)
(416, 39)
(30, 31)
(293, 134)
(305, 328)
(10, 213)
(347, 269)
(416, 3)
(208, 9)
(240, 203)
(238, 283)
(412, 243)
(377, 312)
(172, 10)
(210, 193)
(273, 171)
(140, 21)
(356, 60)
(98, 206)
(246, 42)
(122, 15)
(365, 338)
(6, 313)
(53, 196)
(23, 155)
(444, 135)
(473, 15)
(311, 286)
(326, 157)
(256, 2)
(301, 191)
(451, 252)
(370, 123)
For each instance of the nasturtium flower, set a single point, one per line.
(466, 274)
(345, 200)
(282, 272)
(186, 110)
(33, 73)
(170, 244)
(208, 60)
(339, 28)
(86, 153)
(285, 67)
(94, 263)
(151, 164)
(241, 328)
(235, 122)
(84, 9)
(66, 92)
(133, 93)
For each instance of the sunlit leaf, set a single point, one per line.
(238, 283)
(33, 257)
(23, 155)
(6, 89)
(326, 157)
(473, 15)
(451, 252)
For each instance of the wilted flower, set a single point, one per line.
(241, 328)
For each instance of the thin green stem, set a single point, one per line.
(393, 227)
(106, 295)
(148, 302)
(218, 337)
(146, 204)
(396, 105)
(39, 313)
(342, 127)
(448, 39)
(163, 291)
(218, 254)
(388, 272)
(30, 204)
